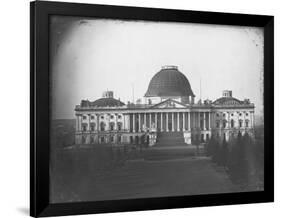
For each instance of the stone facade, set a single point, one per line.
(117, 123)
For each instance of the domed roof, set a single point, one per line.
(107, 102)
(169, 82)
(227, 101)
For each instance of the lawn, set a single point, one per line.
(81, 178)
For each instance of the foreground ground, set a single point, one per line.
(138, 178)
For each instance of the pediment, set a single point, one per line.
(169, 103)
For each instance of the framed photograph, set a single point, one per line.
(142, 109)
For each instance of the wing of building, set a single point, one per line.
(168, 115)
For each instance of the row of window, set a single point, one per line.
(102, 139)
(102, 117)
(232, 123)
(240, 114)
(102, 126)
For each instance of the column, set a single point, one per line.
(191, 126)
(199, 117)
(139, 122)
(124, 122)
(77, 123)
(183, 121)
(115, 124)
(134, 127)
(161, 122)
(204, 120)
(167, 124)
(155, 118)
(178, 121)
(144, 117)
(189, 121)
(209, 120)
(129, 122)
(89, 127)
(252, 119)
(150, 121)
(194, 120)
(228, 119)
(173, 127)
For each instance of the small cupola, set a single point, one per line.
(107, 94)
(227, 93)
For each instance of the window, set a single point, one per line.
(119, 139)
(247, 114)
(111, 126)
(218, 124)
(247, 123)
(232, 123)
(119, 116)
(240, 114)
(197, 137)
(102, 117)
(223, 115)
(111, 116)
(202, 137)
(102, 139)
(119, 125)
(224, 123)
(218, 114)
(92, 126)
(201, 123)
(232, 115)
(112, 139)
(92, 139)
(83, 139)
(102, 126)
(84, 127)
(92, 117)
(207, 137)
(240, 123)
(84, 117)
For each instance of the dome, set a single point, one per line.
(169, 82)
(107, 102)
(227, 101)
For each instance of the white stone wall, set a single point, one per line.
(96, 118)
(116, 116)
(238, 115)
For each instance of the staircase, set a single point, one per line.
(170, 139)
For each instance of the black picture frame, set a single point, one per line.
(40, 104)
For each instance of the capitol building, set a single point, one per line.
(168, 115)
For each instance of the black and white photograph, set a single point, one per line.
(143, 109)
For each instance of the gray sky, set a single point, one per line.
(89, 56)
